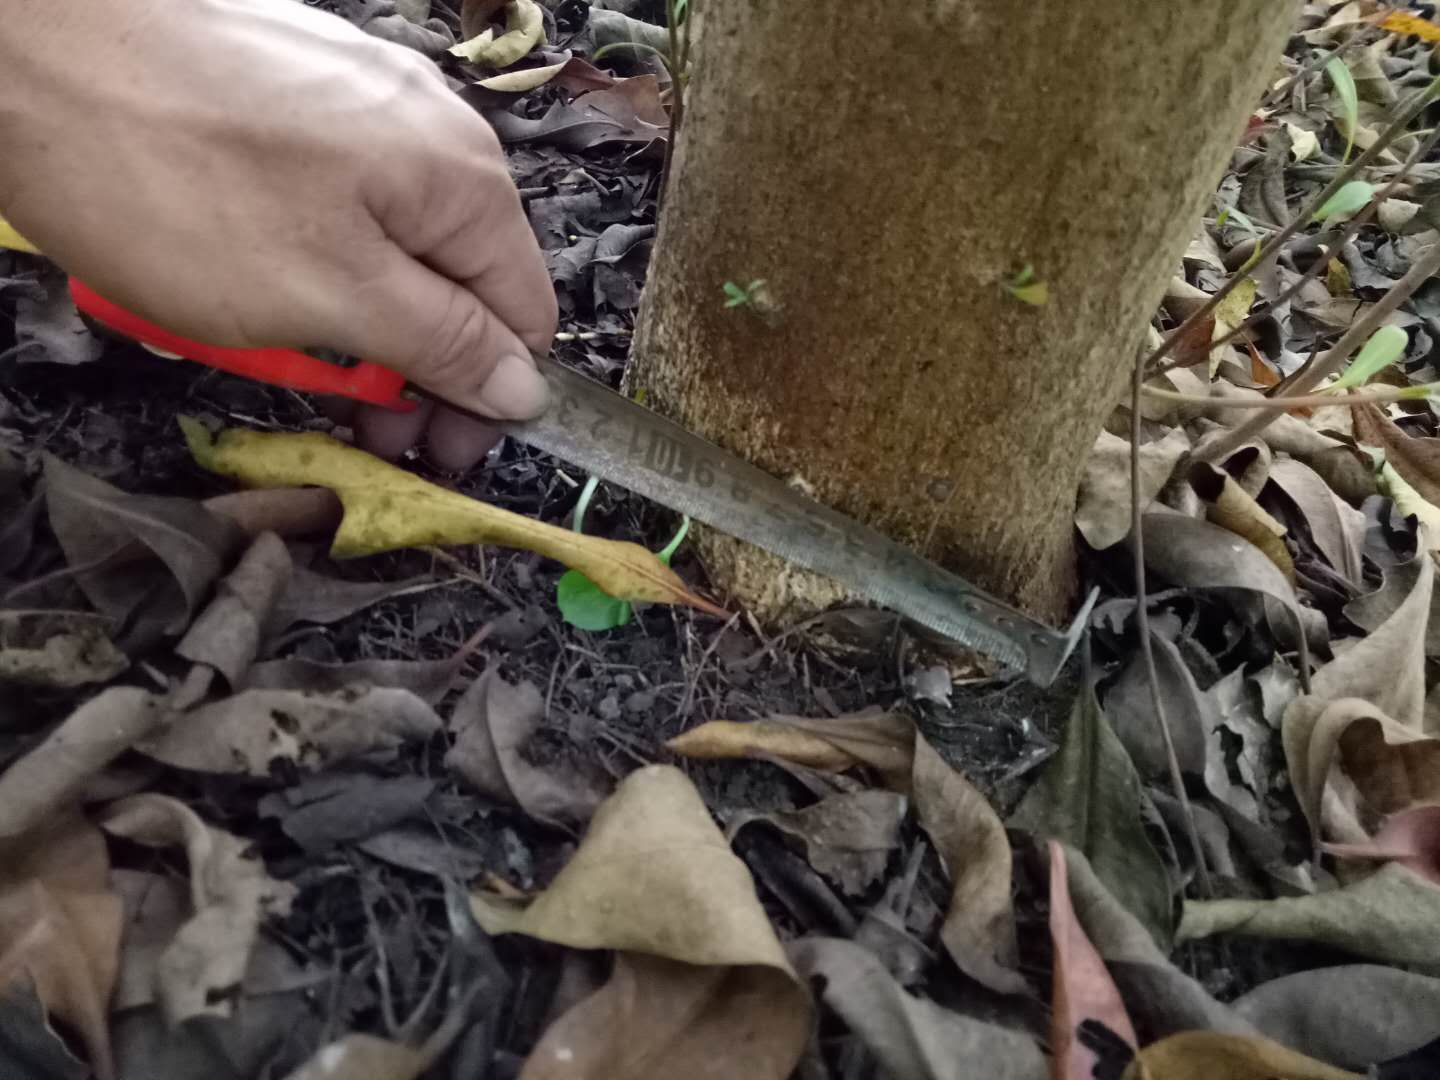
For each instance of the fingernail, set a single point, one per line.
(514, 391)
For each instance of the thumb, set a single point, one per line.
(444, 339)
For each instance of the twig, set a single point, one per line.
(683, 711)
(1273, 245)
(1425, 267)
(1142, 627)
(1377, 396)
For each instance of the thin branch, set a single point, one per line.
(1424, 268)
(1273, 245)
(1379, 395)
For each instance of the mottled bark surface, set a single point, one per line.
(884, 169)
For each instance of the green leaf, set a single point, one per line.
(736, 294)
(1089, 797)
(585, 605)
(1385, 346)
(1350, 199)
(1344, 84)
(1025, 287)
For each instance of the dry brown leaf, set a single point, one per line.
(387, 508)
(1159, 996)
(656, 1019)
(94, 521)
(1416, 460)
(253, 730)
(316, 598)
(1367, 705)
(847, 837)
(1211, 1055)
(1229, 506)
(428, 680)
(362, 1057)
(628, 112)
(1369, 612)
(1389, 916)
(52, 775)
(1337, 528)
(874, 737)
(912, 1038)
(1351, 1015)
(60, 928)
(57, 649)
(1103, 512)
(494, 723)
(227, 635)
(979, 929)
(202, 968)
(307, 511)
(653, 875)
(1411, 838)
(1081, 989)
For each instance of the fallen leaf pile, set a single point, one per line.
(274, 804)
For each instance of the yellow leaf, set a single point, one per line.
(1230, 313)
(1212, 1055)
(11, 239)
(387, 508)
(1401, 23)
(524, 29)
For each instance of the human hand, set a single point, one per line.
(257, 173)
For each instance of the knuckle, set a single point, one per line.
(452, 355)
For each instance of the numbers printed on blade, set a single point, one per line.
(618, 440)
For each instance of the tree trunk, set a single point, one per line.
(884, 170)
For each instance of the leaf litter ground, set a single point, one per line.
(397, 797)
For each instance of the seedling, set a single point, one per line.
(1385, 346)
(1027, 288)
(1344, 84)
(582, 603)
(735, 296)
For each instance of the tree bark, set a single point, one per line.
(884, 170)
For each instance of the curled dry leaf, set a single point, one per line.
(1089, 796)
(1103, 512)
(654, 876)
(1369, 612)
(911, 1038)
(200, 970)
(363, 1057)
(847, 837)
(1209, 1055)
(254, 730)
(95, 521)
(60, 928)
(1366, 711)
(227, 635)
(1390, 916)
(1081, 989)
(524, 29)
(494, 723)
(979, 928)
(1228, 505)
(57, 650)
(874, 737)
(52, 775)
(387, 508)
(1349, 1015)
(1337, 528)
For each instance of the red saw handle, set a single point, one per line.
(280, 367)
